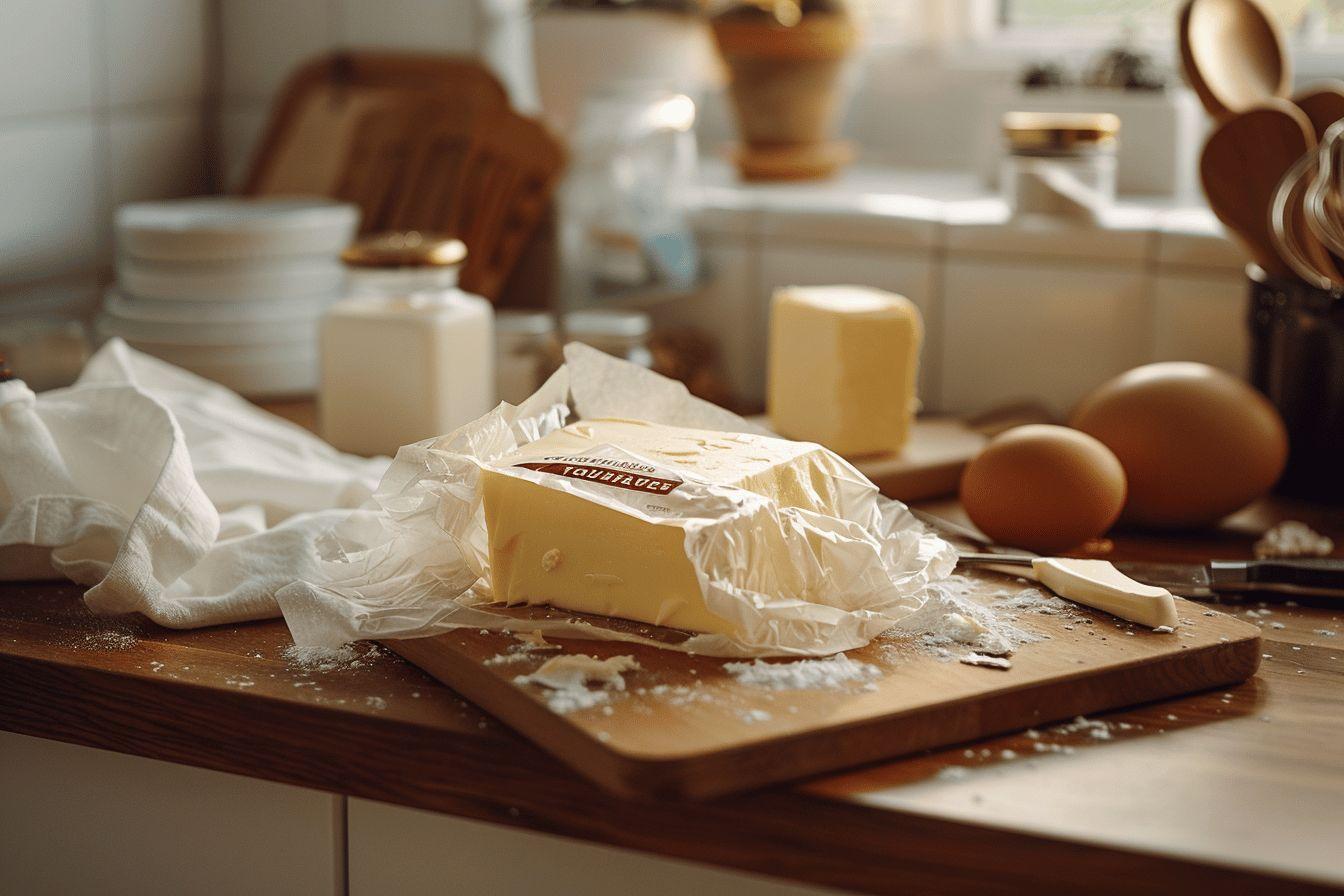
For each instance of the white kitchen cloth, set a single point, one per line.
(169, 494)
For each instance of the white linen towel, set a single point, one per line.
(168, 494)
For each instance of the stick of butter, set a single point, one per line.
(621, 552)
(843, 366)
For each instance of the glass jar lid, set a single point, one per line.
(1060, 131)
(405, 249)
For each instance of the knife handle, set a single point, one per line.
(1309, 576)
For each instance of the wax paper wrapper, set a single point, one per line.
(414, 562)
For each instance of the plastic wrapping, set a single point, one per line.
(788, 581)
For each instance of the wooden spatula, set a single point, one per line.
(1241, 166)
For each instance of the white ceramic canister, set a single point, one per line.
(407, 355)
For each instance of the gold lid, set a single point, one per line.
(1059, 130)
(405, 249)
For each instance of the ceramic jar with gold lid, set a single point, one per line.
(407, 355)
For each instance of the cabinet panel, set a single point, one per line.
(1202, 318)
(75, 820)
(1016, 331)
(410, 852)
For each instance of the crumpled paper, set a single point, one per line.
(413, 563)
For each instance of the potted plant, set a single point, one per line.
(785, 59)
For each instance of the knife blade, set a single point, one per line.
(1318, 577)
(1296, 576)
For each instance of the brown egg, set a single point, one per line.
(1196, 443)
(1046, 488)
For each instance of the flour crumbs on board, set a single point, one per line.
(960, 621)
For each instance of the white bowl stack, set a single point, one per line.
(231, 289)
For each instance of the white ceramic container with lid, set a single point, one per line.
(220, 228)
(407, 356)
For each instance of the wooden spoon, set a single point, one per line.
(1241, 166)
(1232, 54)
(1324, 104)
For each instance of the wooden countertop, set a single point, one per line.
(1242, 789)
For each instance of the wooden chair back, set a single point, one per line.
(418, 143)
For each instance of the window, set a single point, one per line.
(1310, 23)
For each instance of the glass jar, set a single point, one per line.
(624, 334)
(527, 351)
(1059, 164)
(624, 207)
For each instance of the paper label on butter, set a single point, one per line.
(631, 475)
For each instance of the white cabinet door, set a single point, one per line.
(410, 852)
(1038, 330)
(912, 273)
(75, 820)
(1202, 317)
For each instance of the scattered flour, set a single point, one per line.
(567, 678)
(834, 673)
(534, 640)
(1093, 728)
(752, 716)
(528, 644)
(329, 659)
(1293, 539)
(953, 625)
(111, 639)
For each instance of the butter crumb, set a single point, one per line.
(551, 560)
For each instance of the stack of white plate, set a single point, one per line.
(231, 289)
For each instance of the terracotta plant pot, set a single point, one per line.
(785, 89)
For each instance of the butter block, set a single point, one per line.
(844, 363)
(550, 546)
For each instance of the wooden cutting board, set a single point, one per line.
(686, 728)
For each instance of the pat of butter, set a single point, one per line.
(844, 361)
(550, 546)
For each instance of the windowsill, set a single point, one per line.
(915, 209)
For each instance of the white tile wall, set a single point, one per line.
(49, 197)
(47, 50)
(157, 154)
(264, 40)
(100, 103)
(156, 51)
(241, 124)
(438, 26)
